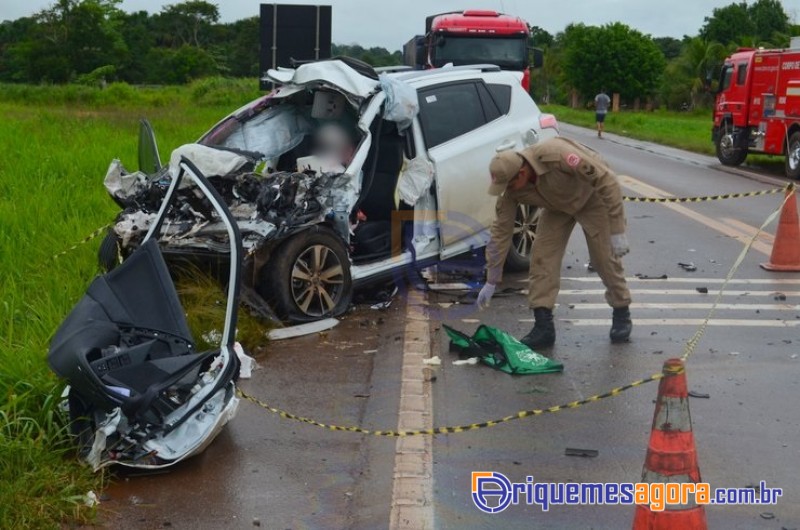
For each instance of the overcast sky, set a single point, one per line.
(390, 23)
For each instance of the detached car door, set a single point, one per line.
(463, 126)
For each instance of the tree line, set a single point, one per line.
(86, 41)
(93, 41)
(676, 73)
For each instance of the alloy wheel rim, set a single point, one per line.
(317, 281)
(525, 229)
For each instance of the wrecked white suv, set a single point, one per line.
(341, 177)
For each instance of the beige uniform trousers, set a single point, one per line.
(552, 236)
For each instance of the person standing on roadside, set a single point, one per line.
(601, 103)
(571, 183)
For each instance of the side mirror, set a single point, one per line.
(536, 57)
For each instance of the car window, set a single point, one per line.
(447, 111)
(741, 74)
(490, 109)
(501, 95)
(725, 77)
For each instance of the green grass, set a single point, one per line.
(685, 130)
(57, 144)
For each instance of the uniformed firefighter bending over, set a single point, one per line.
(571, 183)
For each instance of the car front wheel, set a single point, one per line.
(519, 255)
(308, 277)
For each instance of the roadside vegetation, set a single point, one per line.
(689, 130)
(57, 144)
(684, 130)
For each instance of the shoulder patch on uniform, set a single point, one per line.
(572, 159)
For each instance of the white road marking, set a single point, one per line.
(681, 322)
(737, 281)
(735, 307)
(668, 292)
(412, 485)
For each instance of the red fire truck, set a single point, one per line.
(757, 106)
(474, 36)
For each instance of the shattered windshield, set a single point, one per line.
(262, 129)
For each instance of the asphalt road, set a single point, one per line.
(264, 471)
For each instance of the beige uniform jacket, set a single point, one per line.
(568, 174)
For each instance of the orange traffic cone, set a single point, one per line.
(671, 456)
(786, 249)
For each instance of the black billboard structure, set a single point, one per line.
(292, 33)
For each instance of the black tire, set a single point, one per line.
(108, 253)
(729, 149)
(308, 277)
(793, 156)
(519, 255)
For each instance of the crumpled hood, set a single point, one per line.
(211, 162)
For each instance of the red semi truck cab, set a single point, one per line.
(757, 107)
(474, 36)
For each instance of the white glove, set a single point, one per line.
(485, 296)
(619, 245)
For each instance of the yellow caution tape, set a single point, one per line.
(83, 241)
(460, 428)
(710, 197)
(692, 343)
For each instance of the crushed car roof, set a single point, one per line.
(335, 73)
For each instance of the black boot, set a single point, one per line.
(621, 325)
(543, 333)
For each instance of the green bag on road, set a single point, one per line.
(500, 350)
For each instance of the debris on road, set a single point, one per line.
(700, 395)
(385, 299)
(433, 361)
(702, 290)
(501, 351)
(247, 363)
(588, 453)
(646, 277)
(471, 361)
(688, 267)
(302, 329)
